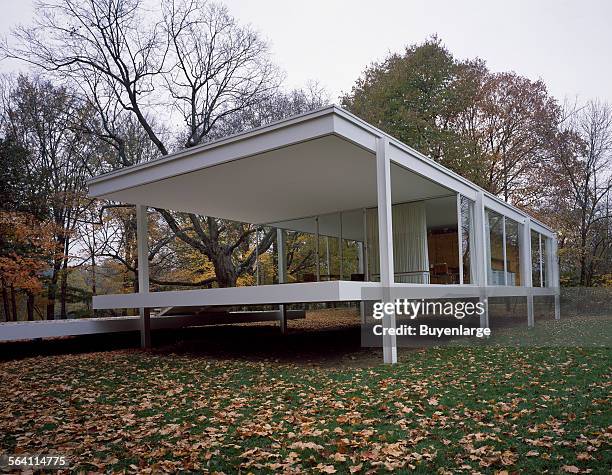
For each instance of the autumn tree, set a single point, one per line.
(26, 245)
(46, 121)
(193, 64)
(417, 97)
(492, 128)
(510, 122)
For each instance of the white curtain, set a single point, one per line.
(410, 256)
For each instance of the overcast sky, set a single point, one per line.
(566, 43)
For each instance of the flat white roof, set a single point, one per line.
(312, 164)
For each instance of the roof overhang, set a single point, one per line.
(313, 164)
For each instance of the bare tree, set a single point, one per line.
(194, 57)
(106, 39)
(230, 246)
(216, 67)
(584, 173)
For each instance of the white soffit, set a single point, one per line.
(316, 177)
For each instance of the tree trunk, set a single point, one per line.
(225, 270)
(63, 292)
(52, 292)
(30, 305)
(5, 302)
(14, 303)
(93, 274)
(582, 270)
(130, 282)
(64, 279)
(583, 258)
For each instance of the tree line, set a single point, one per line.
(113, 84)
(506, 133)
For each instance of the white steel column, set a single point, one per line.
(327, 261)
(281, 257)
(318, 249)
(256, 255)
(504, 252)
(341, 248)
(460, 238)
(360, 269)
(366, 256)
(385, 241)
(480, 244)
(555, 277)
(541, 260)
(282, 275)
(142, 241)
(525, 256)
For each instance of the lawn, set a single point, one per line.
(445, 409)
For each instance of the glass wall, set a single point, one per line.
(536, 271)
(425, 242)
(544, 256)
(503, 250)
(467, 223)
(513, 261)
(540, 260)
(338, 237)
(494, 227)
(300, 256)
(352, 233)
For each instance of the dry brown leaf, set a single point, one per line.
(325, 468)
(570, 469)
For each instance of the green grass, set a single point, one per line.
(452, 409)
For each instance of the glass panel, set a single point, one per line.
(350, 261)
(300, 249)
(337, 258)
(466, 237)
(266, 268)
(442, 240)
(330, 265)
(535, 259)
(545, 261)
(329, 246)
(495, 248)
(513, 263)
(412, 223)
(373, 254)
(352, 233)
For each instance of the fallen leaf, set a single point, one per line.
(570, 469)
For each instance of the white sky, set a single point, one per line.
(566, 43)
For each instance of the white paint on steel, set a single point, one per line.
(385, 242)
(282, 277)
(460, 238)
(481, 256)
(340, 247)
(304, 292)
(14, 331)
(142, 243)
(526, 267)
(318, 249)
(555, 278)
